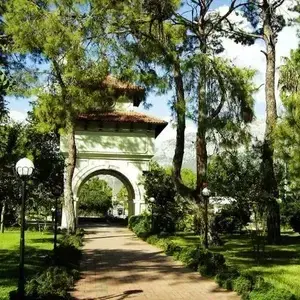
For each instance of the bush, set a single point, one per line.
(75, 240)
(231, 218)
(53, 283)
(173, 249)
(271, 293)
(140, 225)
(226, 278)
(210, 264)
(242, 286)
(189, 256)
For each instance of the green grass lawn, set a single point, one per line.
(281, 264)
(38, 245)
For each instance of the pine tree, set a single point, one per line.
(68, 67)
(210, 90)
(267, 22)
(287, 131)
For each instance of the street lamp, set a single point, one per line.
(24, 168)
(152, 201)
(206, 193)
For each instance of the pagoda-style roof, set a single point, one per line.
(137, 93)
(125, 117)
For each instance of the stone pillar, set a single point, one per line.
(131, 211)
(137, 207)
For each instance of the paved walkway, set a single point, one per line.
(117, 265)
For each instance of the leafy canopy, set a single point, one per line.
(95, 197)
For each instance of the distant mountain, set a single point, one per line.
(165, 147)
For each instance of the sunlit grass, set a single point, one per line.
(280, 265)
(37, 246)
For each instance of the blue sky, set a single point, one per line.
(241, 55)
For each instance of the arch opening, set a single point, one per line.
(112, 178)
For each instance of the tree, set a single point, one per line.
(122, 197)
(95, 197)
(185, 45)
(267, 22)
(234, 175)
(19, 140)
(166, 209)
(10, 150)
(71, 42)
(287, 132)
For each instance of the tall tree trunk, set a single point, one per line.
(269, 180)
(70, 167)
(201, 151)
(2, 217)
(180, 110)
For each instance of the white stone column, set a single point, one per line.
(131, 211)
(137, 207)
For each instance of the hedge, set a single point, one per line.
(210, 264)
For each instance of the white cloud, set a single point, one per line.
(18, 116)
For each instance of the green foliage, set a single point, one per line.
(210, 264)
(242, 286)
(207, 263)
(140, 225)
(226, 277)
(251, 287)
(56, 281)
(19, 140)
(95, 197)
(230, 218)
(53, 283)
(122, 197)
(166, 209)
(271, 293)
(287, 131)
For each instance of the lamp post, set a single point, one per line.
(56, 193)
(152, 201)
(24, 168)
(206, 193)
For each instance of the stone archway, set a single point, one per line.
(134, 193)
(129, 173)
(116, 140)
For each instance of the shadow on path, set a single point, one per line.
(117, 265)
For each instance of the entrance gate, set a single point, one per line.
(118, 141)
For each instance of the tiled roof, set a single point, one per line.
(124, 117)
(122, 85)
(136, 92)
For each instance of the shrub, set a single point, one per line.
(189, 257)
(68, 256)
(68, 253)
(52, 283)
(268, 292)
(226, 277)
(140, 225)
(231, 218)
(242, 286)
(133, 220)
(210, 264)
(173, 249)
